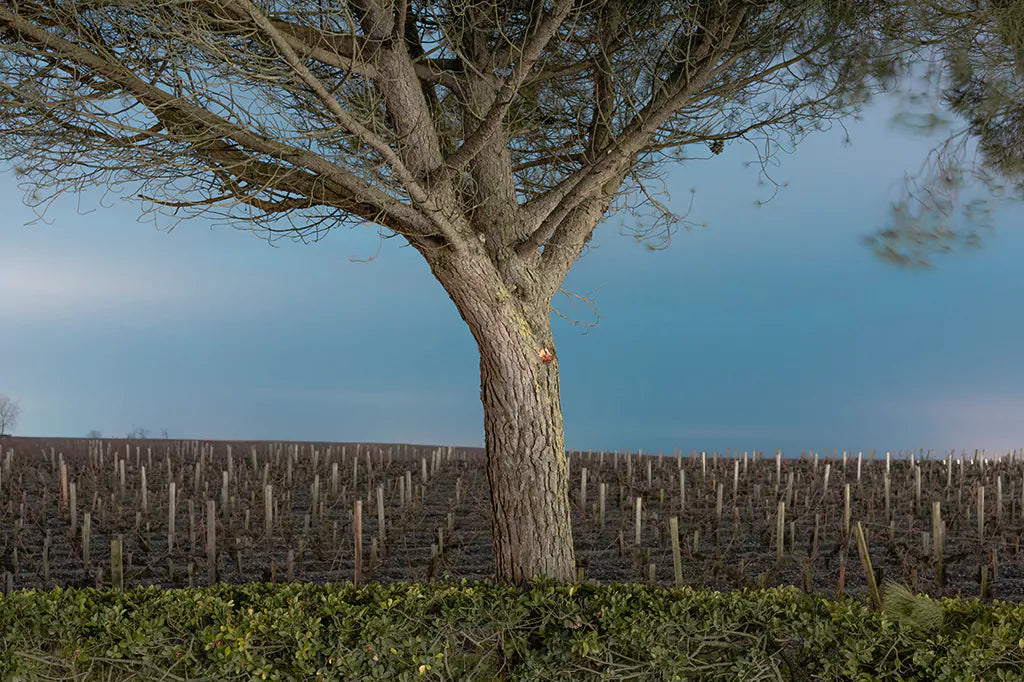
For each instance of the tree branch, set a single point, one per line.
(207, 132)
(491, 122)
(604, 176)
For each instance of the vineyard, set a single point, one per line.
(190, 513)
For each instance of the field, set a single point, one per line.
(261, 511)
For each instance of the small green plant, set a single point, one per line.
(916, 612)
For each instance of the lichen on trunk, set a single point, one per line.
(526, 462)
(527, 466)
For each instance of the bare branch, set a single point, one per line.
(491, 122)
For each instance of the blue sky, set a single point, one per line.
(773, 327)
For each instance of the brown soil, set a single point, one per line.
(739, 550)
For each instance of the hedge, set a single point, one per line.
(483, 631)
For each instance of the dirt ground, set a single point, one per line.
(738, 550)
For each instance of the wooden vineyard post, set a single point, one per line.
(602, 492)
(682, 491)
(357, 537)
(63, 484)
(814, 537)
(887, 483)
(225, 512)
(211, 541)
(268, 512)
(170, 515)
(86, 530)
(846, 511)
(636, 536)
(144, 489)
(583, 493)
(981, 513)
(917, 489)
(380, 516)
(778, 471)
(999, 503)
(677, 564)
(116, 565)
(735, 480)
(73, 506)
(865, 560)
(780, 530)
(315, 495)
(937, 541)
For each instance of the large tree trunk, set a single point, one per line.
(510, 318)
(526, 462)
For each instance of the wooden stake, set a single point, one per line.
(357, 537)
(211, 541)
(865, 560)
(144, 490)
(917, 489)
(73, 506)
(846, 511)
(268, 511)
(63, 484)
(86, 529)
(380, 514)
(636, 535)
(887, 483)
(981, 513)
(171, 500)
(682, 492)
(583, 492)
(677, 563)
(718, 504)
(116, 565)
(780, 530)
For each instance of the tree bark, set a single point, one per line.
(509, 315)
(527, 466)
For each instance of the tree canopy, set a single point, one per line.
(492, 135)
(294, 117)
(971, 53)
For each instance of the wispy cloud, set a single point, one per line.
(340, 396)
(43, 287)
(973, 419)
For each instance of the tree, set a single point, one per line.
(9, 412)
(493, 136)
(975, 71)
(137, 433)
(94, 434)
